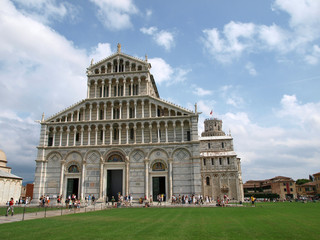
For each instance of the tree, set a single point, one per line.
(302, 181)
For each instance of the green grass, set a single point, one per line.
(265, 221)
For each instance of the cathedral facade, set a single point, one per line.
(123, 138)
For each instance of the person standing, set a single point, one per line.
(10, 207)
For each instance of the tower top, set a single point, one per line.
(212, 127)
(119, 48)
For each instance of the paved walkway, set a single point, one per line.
(96, 207)
(51, 213)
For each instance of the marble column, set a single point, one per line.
(120, 134)
(146, 167)
(54, 138)
(81, 137)
(124, 87)
(82, 179)
(68, 135)
(105, 111)
(182, 133)
(166, 126)
(142, 109)
(142, 133)
(96, 136)
(170, 160)
(89, 135)
(103, 135)
(97, 117)
(101, 179)
(127, 135)
(111, 130)
(95, 89)
(60, 137)
(158, 130)
(135, 134)
(109, 88)
(102, 89)
(90, 112)
(150, 131)
(61, 178)
(74, 136)
(127, 177)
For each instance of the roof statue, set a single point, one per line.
(146, 57)
(91, 61)
(119, 48)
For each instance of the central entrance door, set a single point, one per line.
(114, 184)
(158, 187)
(73, 187)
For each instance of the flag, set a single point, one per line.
(211, 112)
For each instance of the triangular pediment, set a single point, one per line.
(118, 57)
(67, 110)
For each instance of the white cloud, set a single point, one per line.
(239, 38)
(307, 116)
(292, 148)
(236, 39)
(231, 95)
(100, 52)
(250, 67)
(115, 15)
(200, 91)
(39, 67)
(304, 16)
(162, 38)
(148, 13)
(47, 11)
(235, 101)
(164, 73)
(274, 38)
(149, 31)
(314, 56)
(165, 39)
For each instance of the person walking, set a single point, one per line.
(10, 207)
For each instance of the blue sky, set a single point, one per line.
(254, 63)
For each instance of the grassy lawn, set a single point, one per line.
(265, 221)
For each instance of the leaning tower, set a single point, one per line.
(220, 166)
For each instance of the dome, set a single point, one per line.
(3, 156)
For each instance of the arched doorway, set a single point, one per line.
(115, 162)
(73, 181)
(158, 181)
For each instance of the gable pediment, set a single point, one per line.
(119, 58)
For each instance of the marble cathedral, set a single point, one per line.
(123, 138)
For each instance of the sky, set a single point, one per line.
(255, 64)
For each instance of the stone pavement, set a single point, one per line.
(52, 213)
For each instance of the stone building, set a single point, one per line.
(220, 166)
(285, 187)
(10, 184)
(123, 138)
